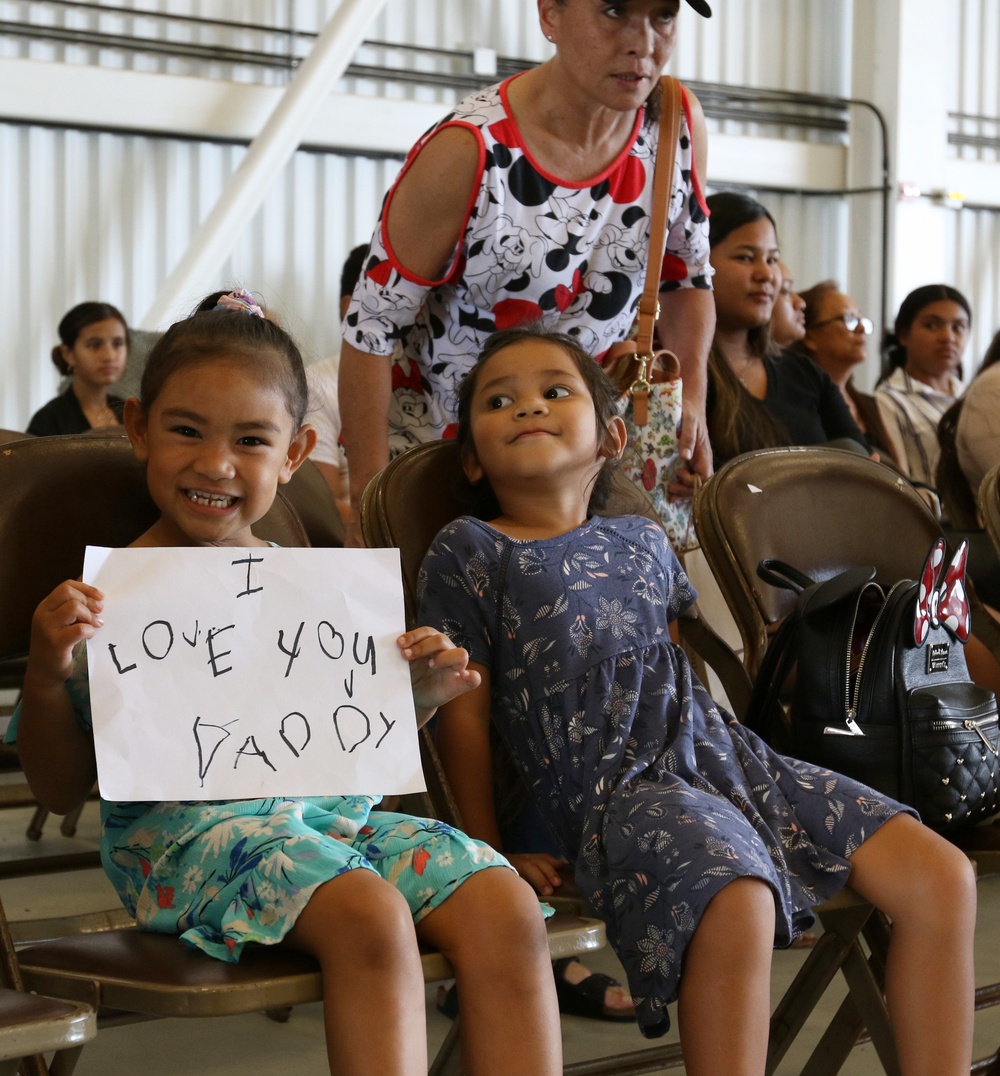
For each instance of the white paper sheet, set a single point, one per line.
(246, 673)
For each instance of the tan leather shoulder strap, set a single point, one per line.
(666, 155)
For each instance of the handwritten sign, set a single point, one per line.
(246, 673)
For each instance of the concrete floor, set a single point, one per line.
(254, 1044)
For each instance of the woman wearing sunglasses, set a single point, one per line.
(836, 338)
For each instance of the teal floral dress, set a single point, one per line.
(657, 797)
(222, 874)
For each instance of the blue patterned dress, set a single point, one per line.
(224, 873)
(657, 796)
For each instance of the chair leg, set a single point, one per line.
(68, 825)
(637, 1063)
(804, 993)
(863, 1009)
(64, 1062)
(27, 1066)
(34, 831)
(448, 1060)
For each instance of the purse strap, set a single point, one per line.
(663, 179)
(649, 301)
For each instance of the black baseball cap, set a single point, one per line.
(701, 7)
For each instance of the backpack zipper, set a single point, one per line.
(851, 705)
(945, 725)
(853, 709)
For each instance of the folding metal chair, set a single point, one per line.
(31, 1025)
(823, 510)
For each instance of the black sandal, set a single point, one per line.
(585, 998)
(447, 1001)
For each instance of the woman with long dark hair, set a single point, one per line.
(758, 397)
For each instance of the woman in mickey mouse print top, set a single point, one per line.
(531, 202)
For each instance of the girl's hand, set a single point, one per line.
(540, 869)
(70, 614)
(439, 670)
(683, 485)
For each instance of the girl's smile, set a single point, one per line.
(218, 441)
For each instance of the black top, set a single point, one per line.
(65, 415)
(805, 400)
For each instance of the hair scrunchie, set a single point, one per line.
(241, 301)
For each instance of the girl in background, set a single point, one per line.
(92, 353)
(923, 379)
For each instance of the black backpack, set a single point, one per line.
(882, 690)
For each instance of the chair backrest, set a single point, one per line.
(314, 504)
(404, 506)
(417, 494)
(13, 435)
(957, 497)
(819, 509)
(61, 494)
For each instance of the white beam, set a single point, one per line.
(267, 155)
(176, 105)
(74, 95)
(776, 162)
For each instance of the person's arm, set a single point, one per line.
(977, 439)
(462, 738)
(334, 478)
(365, 388)
(834, 413)
(55, 752)
(686, 324)
(887, 409)
(686, 327)
(425, 214)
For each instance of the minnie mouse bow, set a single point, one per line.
(945, 605)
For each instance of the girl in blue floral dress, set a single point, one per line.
(220, 426)
(699, 846)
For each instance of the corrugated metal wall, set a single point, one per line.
(974, 234)
(105, 216)
(974, 250)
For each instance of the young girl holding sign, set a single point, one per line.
(698, 845)
(219, 425)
